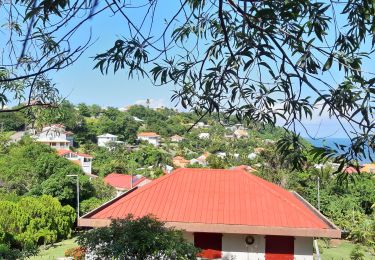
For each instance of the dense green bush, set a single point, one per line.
(357, 253)
(33, 221)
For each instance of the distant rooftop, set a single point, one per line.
(148, 134)
(123, 181)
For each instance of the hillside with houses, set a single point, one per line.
(137, 160)
(187, 130)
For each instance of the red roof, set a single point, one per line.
(180, 159)
(350, 170)
(148, 134)
(122, 181)
(216, 197)
(62, 152)
(85, 155)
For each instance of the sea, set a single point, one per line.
(330, 142)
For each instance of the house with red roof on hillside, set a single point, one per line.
(180, 161)
(124, 182)
(176, 138)
(81, 159)
(229, 214)
(150, 137)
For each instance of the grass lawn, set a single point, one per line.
(55, 251)
(341, 250)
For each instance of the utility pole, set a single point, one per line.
(77, 186)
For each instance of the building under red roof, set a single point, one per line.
(180, 161)
(124, 181)
(62, 152)
(85, 155)
(222, 203)
(81, 159)
(148, 134)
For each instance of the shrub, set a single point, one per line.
(7, 253)
(357, 253)
(137, 239)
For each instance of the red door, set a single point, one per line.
(279, 248)
(210, 243)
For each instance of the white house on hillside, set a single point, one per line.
(204, 136)
(201, 125)
(176, 138)
(241, 133)
(150, 137)
(252, 156)
(221, 155)
(201, 160)
(83, 160)
(105, 139)
(55, 136)
(235, 127)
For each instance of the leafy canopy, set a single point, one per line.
(33, 221)
(275, 62)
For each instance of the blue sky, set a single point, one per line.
(80, 83)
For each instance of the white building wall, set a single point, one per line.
(188, 237)
(152, 140)
(303, 248)
(86, 167)
(51, 133)
(103, 141)
(57, 145)
(235, 248)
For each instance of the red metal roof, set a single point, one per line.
(208, 196)
(62, 152)
(85, 155)
(122, 181)
(148, 134)
(350, 170)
